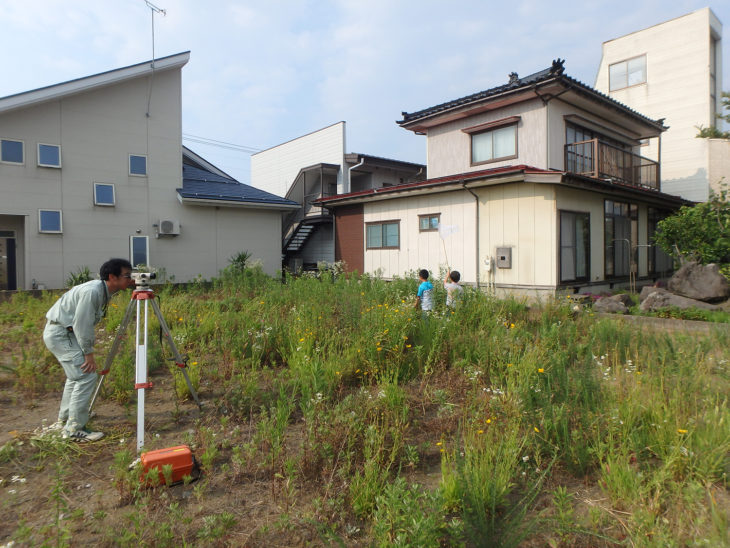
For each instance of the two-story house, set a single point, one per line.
(94, 168)
(537, 186)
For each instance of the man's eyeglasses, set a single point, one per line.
(126, 276)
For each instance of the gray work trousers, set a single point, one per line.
(79, 386)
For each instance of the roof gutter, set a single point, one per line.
(235, 203)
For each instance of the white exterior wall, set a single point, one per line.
(275, 169)
(425, 249)
(677, 88)
(449, 148)
(520, 216)
(97, 130)
(719, 162)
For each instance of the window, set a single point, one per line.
(575, 242)
(50, 220)
(659, 262)
(137, 165)
(494, 144)
(11, 151)
(621, 229)
(428, 223)
(627, 73)
(139, 250)
(49, 155)
(104, 194)
(385, 235)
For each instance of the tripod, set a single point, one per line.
(142, 293)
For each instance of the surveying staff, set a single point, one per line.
(69, 335)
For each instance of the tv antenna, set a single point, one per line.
(154, 9)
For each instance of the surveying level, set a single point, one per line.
(143, 293)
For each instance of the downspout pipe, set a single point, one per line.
(349, 175)
(476, 230)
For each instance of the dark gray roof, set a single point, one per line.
(206, 185)
(554, 72)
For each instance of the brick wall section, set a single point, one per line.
(349, 230)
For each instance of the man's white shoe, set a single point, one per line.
(58, 425)
(83, 435)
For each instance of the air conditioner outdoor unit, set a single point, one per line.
(169, 227)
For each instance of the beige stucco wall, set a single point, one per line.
(719, 162)
(520, 216)
(678, 89)
(275, 169)
(449, 148)
(97, 130)
(426, 249)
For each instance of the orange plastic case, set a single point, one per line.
(180, 457)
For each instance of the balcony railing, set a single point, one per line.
(597, 159)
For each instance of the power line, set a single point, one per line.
(220, 144)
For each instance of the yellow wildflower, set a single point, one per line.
(681, 431)
(541, 370)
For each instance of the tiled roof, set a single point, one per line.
(205, 185)
(554, 72)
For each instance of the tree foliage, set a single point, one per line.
(700, 232)
(713, 132)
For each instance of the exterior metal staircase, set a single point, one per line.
(298, 237)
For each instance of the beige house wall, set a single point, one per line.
(425, 249)
(719, 163)
(677, 88)
(275, 169)
(520, 216)
(449, 148)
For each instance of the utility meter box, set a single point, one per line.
(504, 257)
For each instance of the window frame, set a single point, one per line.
(146, 238)
(146, 166)
(114, 195)
(626, 73)
(429, 217)
(630, 222)
(40, 221)
(587, 247)
(382, 224)
(491, 127)
(38, 152)
(22, 151)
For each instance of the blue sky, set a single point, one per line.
(264, 72)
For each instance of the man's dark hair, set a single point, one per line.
(455, 276)
(423, 273)
(113, 266)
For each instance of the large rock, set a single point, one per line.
(658, 299)
(648, 290)
(700, 282)
(615, 304)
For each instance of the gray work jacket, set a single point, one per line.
(81, 308)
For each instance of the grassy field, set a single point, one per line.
(334, 414)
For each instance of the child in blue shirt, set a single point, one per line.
(424, 297)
